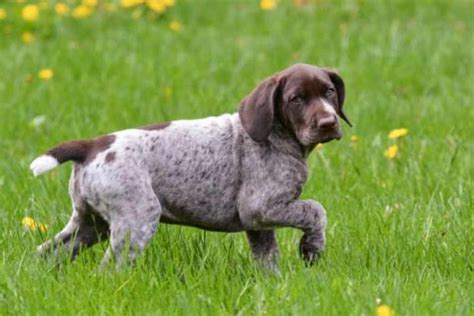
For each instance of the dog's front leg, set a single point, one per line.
(308, 215)
(264, 247)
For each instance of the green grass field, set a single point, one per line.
(400, 231)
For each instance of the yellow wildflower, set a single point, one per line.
(397, 133)
(28, 223)
(61, 8)
(385, 310)
(391, 152)
(46, 74)
(89, 3)
(81, 12)
(268, 4)
(354, 138)
(131, 3)
(156, 5)
(319, 146)
(3, 13)
(42, 227)
(30, 13)
(27, 37)
(175, 26)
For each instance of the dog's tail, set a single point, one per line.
(78, 151)
(75, 150)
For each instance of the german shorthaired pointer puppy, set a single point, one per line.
(231, 173)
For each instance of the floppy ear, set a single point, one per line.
(341, 93)
(257, 110)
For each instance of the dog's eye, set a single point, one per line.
(331, 92)
(297, 99)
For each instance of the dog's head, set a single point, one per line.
(305, 99)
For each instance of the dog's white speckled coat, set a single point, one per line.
(235, 172)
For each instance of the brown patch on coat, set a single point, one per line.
(110, 157)
(82, 151)
(156, 127)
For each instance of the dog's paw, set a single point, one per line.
(311, 248)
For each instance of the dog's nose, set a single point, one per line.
(327, 122)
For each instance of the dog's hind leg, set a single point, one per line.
(264, 247)
(84, 229)
(133, 223)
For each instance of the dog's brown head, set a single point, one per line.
(303, 98)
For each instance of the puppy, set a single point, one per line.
(235, 172)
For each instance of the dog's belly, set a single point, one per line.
(199, 193)
(204, 221)
(202, 216)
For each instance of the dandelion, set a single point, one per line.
(391, 152)
(385, 310)
(61, 8)
(46, 74)
(30, 13)
(397, 133)
(354, 138)
(175, 26)
(42, 227)
(268, 4)
(158, 6)
(3, 14)
(30, 224)
(27, 37)
(81, 12)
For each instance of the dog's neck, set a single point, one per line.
(286, 141)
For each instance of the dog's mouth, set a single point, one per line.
(325, 136)
(315, 136)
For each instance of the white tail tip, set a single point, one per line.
(43, 164)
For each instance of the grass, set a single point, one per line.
(398, 230)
